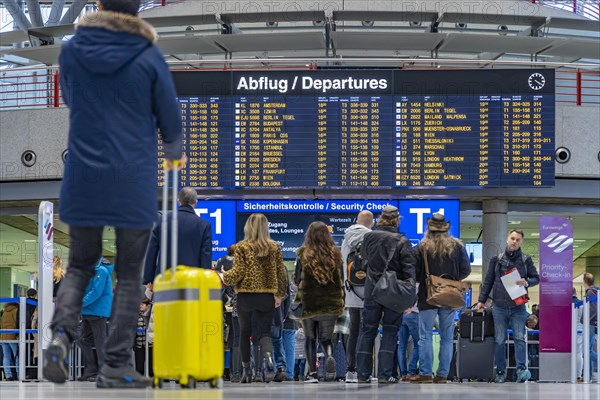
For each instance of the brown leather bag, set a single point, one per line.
(442, 292)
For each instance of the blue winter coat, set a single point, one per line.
(119, 91)
(194, 244)
(97, 299)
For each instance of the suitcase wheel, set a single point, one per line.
(189, 383)
(216, 383)
(157, 383)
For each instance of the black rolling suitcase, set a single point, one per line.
(475, 353)
(476, 325)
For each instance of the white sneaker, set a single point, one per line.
(351, 377)
(311, 378)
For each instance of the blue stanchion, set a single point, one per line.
(16, 300)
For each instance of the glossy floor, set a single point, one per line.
(298, 390)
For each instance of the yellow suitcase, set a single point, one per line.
(188, 320)
(188, 327)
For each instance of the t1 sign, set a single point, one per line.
(221, 215)
(416, 212)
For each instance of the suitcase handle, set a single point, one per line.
(164, 231)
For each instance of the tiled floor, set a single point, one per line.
(296, 390)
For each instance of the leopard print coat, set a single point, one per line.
(253, 274)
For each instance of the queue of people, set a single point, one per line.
(258, 295)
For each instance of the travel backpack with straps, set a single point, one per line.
(356, 269)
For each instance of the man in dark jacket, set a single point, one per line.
(382, 247)
(194, 242)
(506, 311)
(119, 91)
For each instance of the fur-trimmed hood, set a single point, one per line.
(105, 41)
(118, 22)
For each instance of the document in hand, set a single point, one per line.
(510, 284)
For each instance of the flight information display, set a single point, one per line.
(367, 128)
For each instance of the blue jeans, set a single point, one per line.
(371, 316)
(289, 344)
(278, 353)
(446, 324)
(593, 353)
(10, 354)
(299, 366)
(513, 317)
(409, 327)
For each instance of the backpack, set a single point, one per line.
(356, 267)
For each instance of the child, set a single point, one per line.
(140, 337)
(300, 353)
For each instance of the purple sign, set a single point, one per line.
(556, 284)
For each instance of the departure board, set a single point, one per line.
(367, 128)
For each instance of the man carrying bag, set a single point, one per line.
(385, 250)
(441, 262)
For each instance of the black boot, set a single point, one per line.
(246, 373)
(329, 363)
(268, 368)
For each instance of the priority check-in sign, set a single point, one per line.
(416, 212)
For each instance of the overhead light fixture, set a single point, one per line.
(460, 25)
(367, 23)
(415, 24)
(272, 24)
(318, 23)
(514, 222)
(503, 29)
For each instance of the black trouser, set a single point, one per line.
(320, 328)
(355, 322)
(257, 307)
(93, 334)
(373, 314)
(236, 362)
(85, 252)
(140, 359)
(229, 322)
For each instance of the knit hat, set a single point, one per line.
(438, 223)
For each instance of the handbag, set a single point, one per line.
(443, 292)
(295, 312)
(393, 293)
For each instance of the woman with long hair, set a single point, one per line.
(260, 281)
(58, 273)
(321, 291)
(446, 256)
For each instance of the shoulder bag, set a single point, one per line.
(442, 292)
(393, 293)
